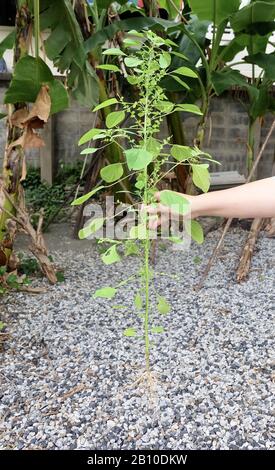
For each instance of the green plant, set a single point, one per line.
(145, 156)
(51, 198)
(12, 280)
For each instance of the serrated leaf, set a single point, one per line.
(113, 51)
(105, 292)
(88, 151)
(110, 256)
(89, 135)
(87, 196)
(105, 104)
(186, 71)
(175, 201)
(138, 158)
(163, 306)
(110, 67)
(130, 332)
(194, 229)
(93, 227)
(112, 172)
(200, 176)
(115, 118)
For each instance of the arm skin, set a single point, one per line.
(250, 200)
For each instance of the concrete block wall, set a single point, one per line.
(225, 140)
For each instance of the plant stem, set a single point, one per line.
(147, 241)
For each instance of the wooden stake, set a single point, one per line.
(248, 250)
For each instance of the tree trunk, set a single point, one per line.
(13, 159)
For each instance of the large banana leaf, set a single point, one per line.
(29, 75)
(215, 11)
(137, 24)
(7, 43)
(225, 79)
(254, 14)
(65, 47)
(265, 61)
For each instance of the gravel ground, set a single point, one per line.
(68, 373)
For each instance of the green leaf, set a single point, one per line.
(131, 42)
(130, 332)
(89, 135)
(164, 60)
(88, 151)
(163, 306)
(59, 96)
(215, 11)
(188, 108)
(105, 292)
(84, 84)
(138, 232)
(172, 8)
(175, 201)
(179, 54)
(181, 152)
(226, 79)
(186, 72)
(7, 43)
(105, 104)
(165, 106)
(265, 61)
(131, 248)
(132, 61)
(113, 51)
(138, 302)
(181, 82)
(137, 23)
(255, 12)
(112, 172)
(157, 329)
(132, 80)
(65, 36)
(115, 118)
(110, 256)
(2, 115)
(153, 146)
(111, 67)
(200, 176)
(194, 229)
(29, 75)
(138, 158)
(87, 196)
(93, 227)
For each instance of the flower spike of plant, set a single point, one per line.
(147, 67)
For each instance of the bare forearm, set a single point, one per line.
(255, 199)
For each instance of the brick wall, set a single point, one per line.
(225, 139)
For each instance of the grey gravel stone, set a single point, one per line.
(68, 373)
